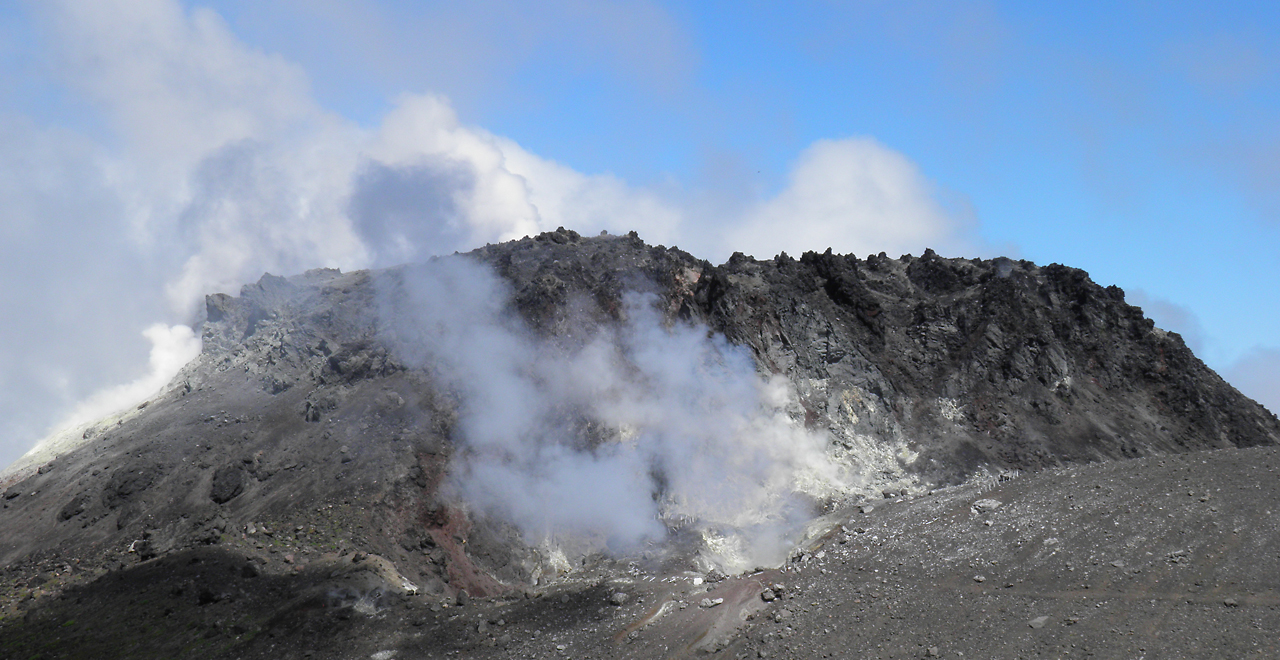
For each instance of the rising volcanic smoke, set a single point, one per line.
(616, 432)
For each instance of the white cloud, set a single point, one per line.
(218, 155)
(855, 196)
(206, 163)
(565, 197)
(71, 276)
(176, 84)
(496, 206)
(511, 192)
(172, 347)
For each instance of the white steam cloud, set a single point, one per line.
(858, 197)
(618, 432)
(172, 347)
(165, 160)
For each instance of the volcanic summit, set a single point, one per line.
(591, 446)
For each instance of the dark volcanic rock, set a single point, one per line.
(299, 453)
(129, 483)
(228, 482)
(973, 363)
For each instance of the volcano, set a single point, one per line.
(589, 446)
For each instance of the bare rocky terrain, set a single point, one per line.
(1041, 472)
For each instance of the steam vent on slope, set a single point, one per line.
(591, 447)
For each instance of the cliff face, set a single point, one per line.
(981, 362)
(972, 363)
(306, 431)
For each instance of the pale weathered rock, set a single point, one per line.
(985, 506)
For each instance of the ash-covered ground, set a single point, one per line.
(592, 447)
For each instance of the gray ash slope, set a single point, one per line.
(298, 419)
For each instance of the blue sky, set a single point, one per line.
(157, 151)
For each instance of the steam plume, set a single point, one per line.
(618, 434)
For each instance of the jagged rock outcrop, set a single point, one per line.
(972, 363)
